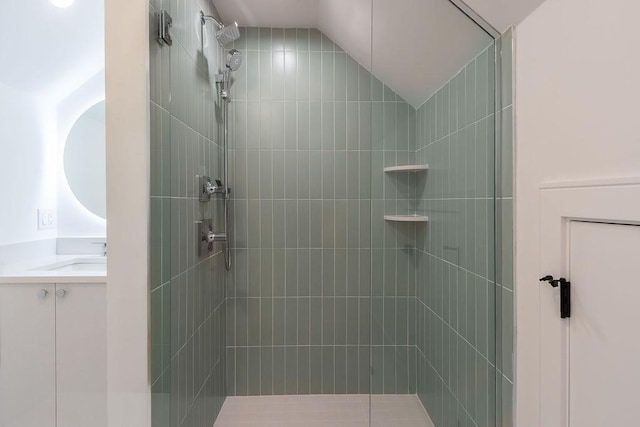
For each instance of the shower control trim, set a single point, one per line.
(207, 237)
(209, 187)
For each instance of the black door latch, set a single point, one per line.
(565, 294)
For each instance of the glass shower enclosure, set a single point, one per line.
(362, 215)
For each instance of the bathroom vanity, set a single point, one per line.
(53, 349)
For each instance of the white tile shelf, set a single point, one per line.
(406, 218)
(407, 168)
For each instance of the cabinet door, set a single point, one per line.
(81, 354)
(27, 356)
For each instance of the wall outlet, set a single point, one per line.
(46, 219)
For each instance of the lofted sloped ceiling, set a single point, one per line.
(413, 46)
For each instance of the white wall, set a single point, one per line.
(74, 220)
(128, 188)
(577, 115)
(27, 164)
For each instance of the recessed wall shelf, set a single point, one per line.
(407, 168)
(406, 218)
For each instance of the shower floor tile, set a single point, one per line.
(351, 410)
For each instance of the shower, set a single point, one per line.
(234, 61)
(226, 35)
(305, 206)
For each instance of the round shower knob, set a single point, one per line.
(209, 188)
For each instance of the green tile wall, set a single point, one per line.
(298, 297)
(187, 291)
(310, 125)
(314, 261)
(455, 251)
(393, 290)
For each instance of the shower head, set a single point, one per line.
(224, 34)
(228, 34)
(234, 59)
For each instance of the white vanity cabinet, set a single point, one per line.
(27, 355)
(53, 355)
(81, 355)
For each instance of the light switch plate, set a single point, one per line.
(46, 219)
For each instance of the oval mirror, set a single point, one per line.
(84, 160)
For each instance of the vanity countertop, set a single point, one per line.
(56, 269)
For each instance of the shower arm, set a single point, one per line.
(204, 18)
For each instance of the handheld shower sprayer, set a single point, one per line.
(225, 35)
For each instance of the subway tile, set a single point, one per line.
(482, 85)
(340, 355)
(316, 223)
(315, 322)
(328, 76)
(340, 124)
(266, 370)
(291, 370)
(290, 73)
(266, 321)
(303, 321)
(303, 232)
(315, 73)
(304, 370)
(278, 174)
(279, 370)
(470, 93)
(266, 64)
(277, 39)
(315, 360)
(303, 126)
(352, 82)
(265, 39)
(365, 80)
(315, 40)
(340, 70)
(302, 39)
(304, 81)
(291, 175)
(328, 126)
(290, 39)
(328, 370)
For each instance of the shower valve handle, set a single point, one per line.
(211, 237)
(210, 188)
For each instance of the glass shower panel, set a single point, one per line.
(433, 311)
(187, 280)
(160, 232)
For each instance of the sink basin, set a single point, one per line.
(94, 264)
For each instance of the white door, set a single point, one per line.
(81, 353)
(589, 361)
(604, 350)
(27, 356)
